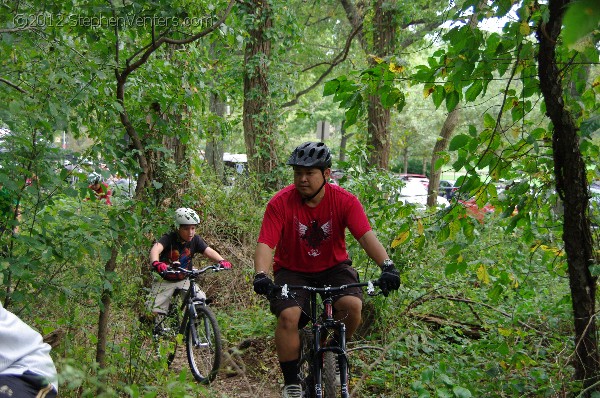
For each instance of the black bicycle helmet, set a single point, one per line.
(311, 154)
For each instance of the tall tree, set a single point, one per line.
(384, 45)
(392, 27)
(571, 185)
(448, 129)
(259, 122)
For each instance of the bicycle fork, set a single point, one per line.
(321, 332)
(196, 341)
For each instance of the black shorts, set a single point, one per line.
(341, 274)
(28, 385)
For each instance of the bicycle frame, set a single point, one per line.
(322, 328)
(190, 300)
(200, 329)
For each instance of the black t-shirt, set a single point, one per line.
(177, 250)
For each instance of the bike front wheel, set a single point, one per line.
(305, 363)
(203, 344)
(330, 384)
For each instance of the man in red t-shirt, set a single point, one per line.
(305, 224)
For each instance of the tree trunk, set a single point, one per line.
(441, 144)
(571, 185)
(384, 44)
(214, 141)
(105, 311)
(447, 130)
(379, 117)
(343, 142)
(258, 119)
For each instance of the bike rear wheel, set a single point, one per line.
(203, 344)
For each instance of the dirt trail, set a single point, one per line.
(249, 370)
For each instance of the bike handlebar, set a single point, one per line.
(192, 273)
(285, 289)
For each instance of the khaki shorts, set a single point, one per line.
(341, 274)
(162, 291)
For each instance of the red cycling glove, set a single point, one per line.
(225, 264)
(159, 266)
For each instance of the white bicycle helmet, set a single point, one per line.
(186, 216)
(94, 178)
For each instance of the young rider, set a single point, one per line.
(305, 224)
(177, 248)
(99, 187)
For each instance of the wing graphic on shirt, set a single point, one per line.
(314, 235)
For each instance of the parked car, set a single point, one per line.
(415, 177)
(414, 192)
(447, 188)
(335, 176)
(595, 203)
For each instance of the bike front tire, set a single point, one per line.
(203, 345)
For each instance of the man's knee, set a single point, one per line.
(349, 304)
(289, 318)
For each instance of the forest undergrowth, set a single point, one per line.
(491, 319)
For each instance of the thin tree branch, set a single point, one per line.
(163, 39)
(13, 85)
(422, 300)
(341, 57)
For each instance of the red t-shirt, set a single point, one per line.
(103, 192)
(311, 239)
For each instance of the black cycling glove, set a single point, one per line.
(390, 278)
(263, 284)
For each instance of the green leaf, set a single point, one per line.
(438, 96)
(401, 103)
(461, 392)
(474, 90)
(581, 18)
(351, 116)
(331, 87)
(389, 98)
(459, 141)
(451, 268)
(489, 121)
(452, 99)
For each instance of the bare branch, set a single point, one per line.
(341, 57)
(13, 85)
(424, 299)
(155, 44)
(22, 29)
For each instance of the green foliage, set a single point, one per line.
(581, 19)
(483, 309)
(378, 80)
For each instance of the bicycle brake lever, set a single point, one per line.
(370, 288)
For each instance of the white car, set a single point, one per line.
(414, 192)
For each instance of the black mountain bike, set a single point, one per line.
(319, 350)
(189, 315)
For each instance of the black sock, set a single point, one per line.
(290, 372)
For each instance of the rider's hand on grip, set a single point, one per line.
(389, 279)
(263, 284)
(225, 264)
(159, 266)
